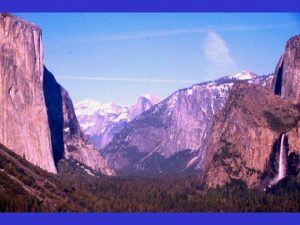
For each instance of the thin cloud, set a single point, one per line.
(116, 79)
(217, 52)
(164, 33)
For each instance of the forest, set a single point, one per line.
(26, 188)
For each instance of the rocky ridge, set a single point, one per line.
(244, 136)
(245, 140)
(169, 137)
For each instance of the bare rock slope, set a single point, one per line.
(245, 135)
(170, 136)
(255, 137)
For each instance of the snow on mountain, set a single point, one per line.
(244, 75)
(171, 136)
(101, 121)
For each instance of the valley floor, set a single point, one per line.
(26, 188)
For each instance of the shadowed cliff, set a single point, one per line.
(53, 100)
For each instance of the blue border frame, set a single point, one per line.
(150, 5)
(149, 218)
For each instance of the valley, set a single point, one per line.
(226, 145)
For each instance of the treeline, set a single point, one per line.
(73, 190)
(187, 195)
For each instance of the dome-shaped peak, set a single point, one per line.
(151, 98)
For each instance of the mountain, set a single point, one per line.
(287, 74)
(170, 136)
(220, 140)
(68, 140)
(243, 142)
(255, 137)
(100, 122)
(143, 103)
(24, 122)
(238, 128)
(38, 120)
(241, 127)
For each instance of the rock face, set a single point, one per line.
(75, 144)
(37, 120)
(255, 126)
(287, 74)
(169, 137)
(23, 116)
(66, 135)
(143, 104)
(245, 135)
(100, 122)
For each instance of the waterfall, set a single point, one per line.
(282, 159)
(282, 162)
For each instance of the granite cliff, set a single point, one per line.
(287, 74)
(23, 122)
(245, 135)
(38, 120)
(257, 131)
(67, 138)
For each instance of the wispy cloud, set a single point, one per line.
(217, 52)
(194, 30)
(116, 79)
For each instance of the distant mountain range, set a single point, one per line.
(175, 145)
(171, 136)
(100, 122)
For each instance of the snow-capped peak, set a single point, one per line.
(244, 75)
(90, 107)
(102, 120)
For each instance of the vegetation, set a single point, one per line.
(72, 148)
(24, 187)
(281, 121)
(186, 195)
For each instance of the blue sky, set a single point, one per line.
(117, 57)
